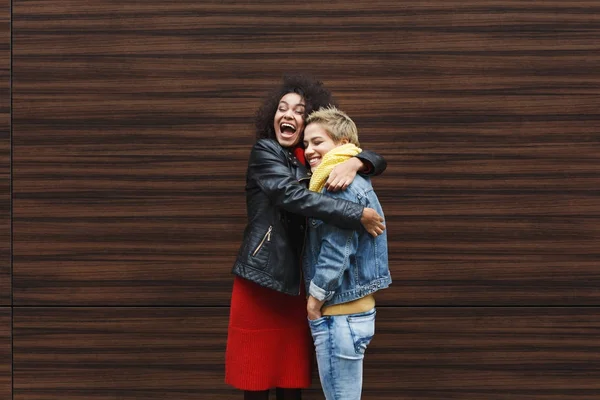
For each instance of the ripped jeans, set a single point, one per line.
(340, 344)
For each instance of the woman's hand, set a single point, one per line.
(343, 174)
(313, 307)
(372, 222)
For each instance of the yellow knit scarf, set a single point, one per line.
(334, 157)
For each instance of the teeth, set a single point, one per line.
(284, 125)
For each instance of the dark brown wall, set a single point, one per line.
(131, 128)
(433, 353)
(5, 208)
(5, 353)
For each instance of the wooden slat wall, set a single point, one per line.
(5, 353)
(130, 186)
(120, 353)
(433, 353)
(5, 289)
(132, 123)
(5, 206)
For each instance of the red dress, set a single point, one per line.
(268, 342)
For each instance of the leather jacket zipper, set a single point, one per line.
(267, 237)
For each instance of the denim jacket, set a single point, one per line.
(342, 265)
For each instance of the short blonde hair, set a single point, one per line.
(336, 122)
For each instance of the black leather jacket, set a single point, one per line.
(278, 202)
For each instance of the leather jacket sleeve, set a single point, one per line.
(374, 160)
(268, 169)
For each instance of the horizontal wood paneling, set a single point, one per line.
(417, 353)
(484, 353)
(5, 286)
(5, 354)
(132, 124)
(125, 353)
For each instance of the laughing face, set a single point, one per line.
(289, 119)
(317, 143)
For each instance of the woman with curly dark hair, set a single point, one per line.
(268, 343)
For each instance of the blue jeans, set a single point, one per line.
(340, 344)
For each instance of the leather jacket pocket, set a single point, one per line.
(265, 239)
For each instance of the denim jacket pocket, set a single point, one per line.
(362, 328)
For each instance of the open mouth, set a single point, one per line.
(287, 129)
(314, 161)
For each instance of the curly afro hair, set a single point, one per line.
(313, 92)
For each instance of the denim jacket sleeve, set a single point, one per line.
(268, 169)
(337, 246)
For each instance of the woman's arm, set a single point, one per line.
(267, 168)
(374, 163)
(337, 246)
(366, 163)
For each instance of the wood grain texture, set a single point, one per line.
(417, 353)
(124, 353)
(132, 125)
(5, 206)
(5, 354)
(484, 353)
